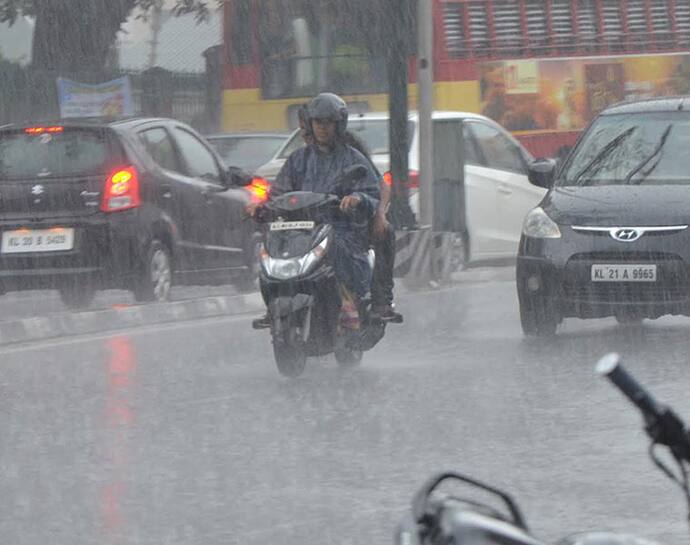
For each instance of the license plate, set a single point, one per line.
(623, 273)
(22, 241)
(288, 225)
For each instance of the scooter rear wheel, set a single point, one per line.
(290, 359)
(348, 358)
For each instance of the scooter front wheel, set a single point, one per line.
(348, 358)
(290, 359)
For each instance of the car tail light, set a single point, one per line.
(121, 190)
(41, 130)
(258, 189)
(412, 179)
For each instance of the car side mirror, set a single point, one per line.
(541, 172)
(236, 177)
(562, 153)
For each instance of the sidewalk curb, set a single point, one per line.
(70, 324)
(98, 321)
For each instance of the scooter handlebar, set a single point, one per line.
(610, 366)
(264, 213)
(662, 424)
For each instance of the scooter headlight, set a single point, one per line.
(285, 269)
(309, 261)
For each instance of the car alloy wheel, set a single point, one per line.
(155, 281)
(161, 275)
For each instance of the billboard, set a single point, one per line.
(109, 99)
(565, 93)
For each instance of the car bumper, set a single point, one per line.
(560, 270)
(105, 252)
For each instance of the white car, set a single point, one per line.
(497, 194)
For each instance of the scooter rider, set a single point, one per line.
(382, 238)
(382, 234)
(316, 167)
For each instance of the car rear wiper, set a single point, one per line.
(599, 157)
(651, 156)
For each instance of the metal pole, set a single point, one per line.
(156, 25)
(426, 107)
(401, 214)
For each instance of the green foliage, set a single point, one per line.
(75, 35)
(11, 9)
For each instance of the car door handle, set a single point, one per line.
(505, 190)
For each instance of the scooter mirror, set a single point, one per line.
(351, 174)
(355, 172)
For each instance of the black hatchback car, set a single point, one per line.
(135, 204)
(611, 236)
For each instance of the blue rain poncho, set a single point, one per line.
(310, 169)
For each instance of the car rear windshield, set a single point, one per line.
(247, 151)
(633, 149)
(37, 153)
(373, 132)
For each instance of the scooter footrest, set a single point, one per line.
(394, 318)
(260, 323)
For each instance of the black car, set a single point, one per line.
(611, 236)
(136, 204)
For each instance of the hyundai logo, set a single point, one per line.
(37, 190)
(626, 234)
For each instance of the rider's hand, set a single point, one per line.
(349, 203)
(251, 208)
(380, 224)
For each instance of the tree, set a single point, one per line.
(389, 30)
(78, 35)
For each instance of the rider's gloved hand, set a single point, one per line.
(349, 203)
(251, 209)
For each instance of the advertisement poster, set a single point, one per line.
(521, 77)
(110, 99)
(564, 94)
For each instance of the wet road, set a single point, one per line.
(186, 434)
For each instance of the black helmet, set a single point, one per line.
(329, 106)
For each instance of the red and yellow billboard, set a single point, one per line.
(564, 94)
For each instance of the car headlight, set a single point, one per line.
(284, 269)
(538, 225)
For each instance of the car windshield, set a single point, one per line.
(41, 154)
(634, 149)
(247, 152)
(372, 132)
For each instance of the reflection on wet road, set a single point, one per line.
(119, 417)
(186, 434)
